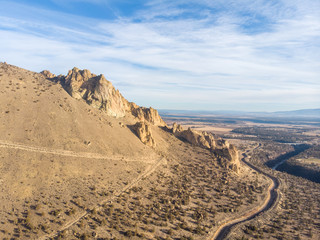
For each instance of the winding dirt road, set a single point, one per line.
(270, 201)
(60, 152)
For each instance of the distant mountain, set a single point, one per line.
(301, 113)
(201, 112)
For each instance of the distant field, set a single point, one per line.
(202, 127)
(250, 128)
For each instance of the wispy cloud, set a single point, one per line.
(202, 54)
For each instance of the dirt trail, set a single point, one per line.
(269, 202)
(154, 164)
(60, 152)
(150, 169)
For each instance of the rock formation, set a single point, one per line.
(176, 128)
(227, 153)
(47, 74)
(143, 131)
(147, 114)
(98, 92)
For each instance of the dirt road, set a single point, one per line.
(60, 152)
(151, 168)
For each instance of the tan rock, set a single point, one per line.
(143, 131)
(74, 80)
(98, 92)
(147, 114)
(226, 152)
(176, 128)
(48, 74)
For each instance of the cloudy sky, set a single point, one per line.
(250, 55)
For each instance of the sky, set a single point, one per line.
(243, 55)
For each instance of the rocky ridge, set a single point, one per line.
(98, 92)
(227, 153)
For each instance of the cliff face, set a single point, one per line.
(227, 153)
(98, 92)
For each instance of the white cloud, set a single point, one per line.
(198, 61)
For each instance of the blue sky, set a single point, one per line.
(245, 55)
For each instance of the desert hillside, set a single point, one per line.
(37, 111)
(73, 147)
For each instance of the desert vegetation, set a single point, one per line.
(295, 216)
(184, 199)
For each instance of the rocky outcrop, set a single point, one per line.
(228, 157)
(226, 153)
(143, 131)
(147, 114)
(48, 74)
(76, 79)
(98, 92)
(201, 139)
(176, 128)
